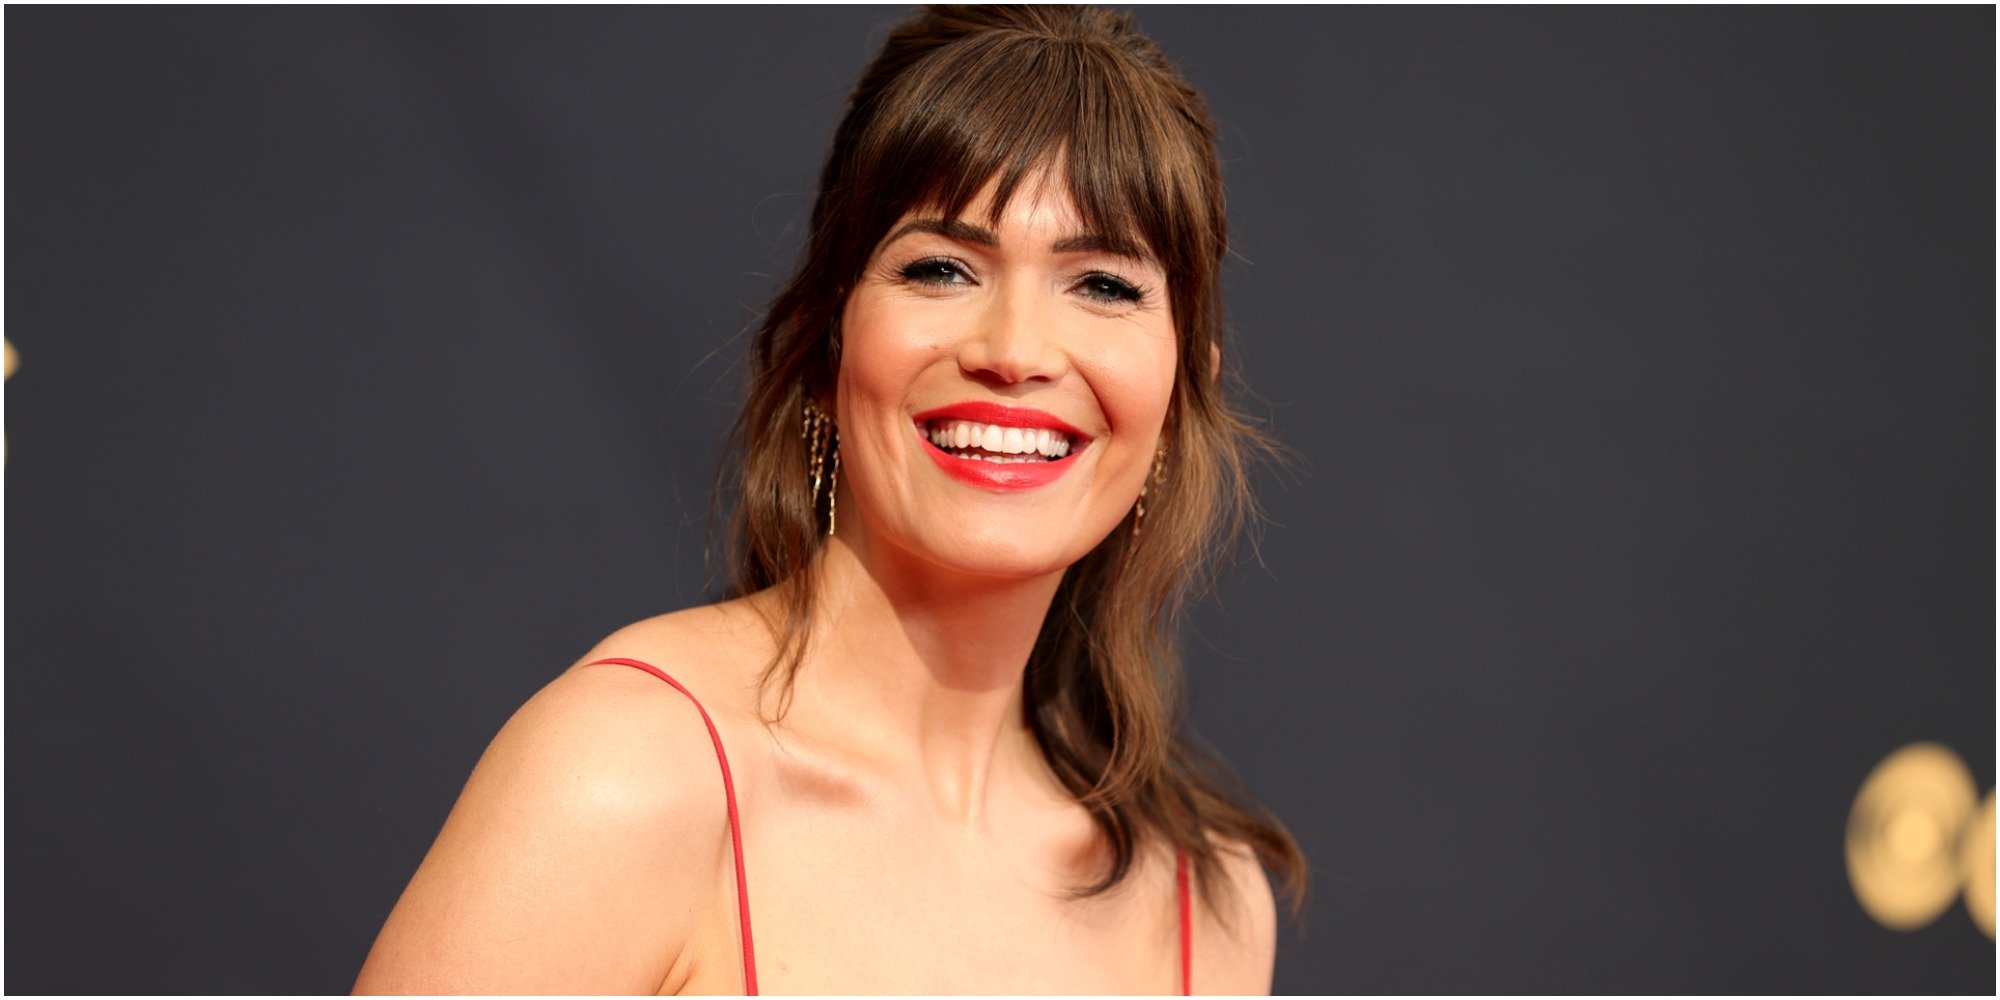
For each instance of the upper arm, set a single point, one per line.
(577, 859)
(1242, 943)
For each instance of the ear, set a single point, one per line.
(1214, 363)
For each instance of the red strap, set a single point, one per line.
(735, 828)
(1187, 927)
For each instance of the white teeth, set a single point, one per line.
(1026, 444)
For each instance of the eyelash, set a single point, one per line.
(1120, 290)
(915, 272)
(1114, 288)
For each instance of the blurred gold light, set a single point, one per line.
(1913, 837)
(1976, 860)
(13, 362)
(1903, 836)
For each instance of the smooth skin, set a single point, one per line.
(901, 831)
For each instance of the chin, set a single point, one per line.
(1001, 555)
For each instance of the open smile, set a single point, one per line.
(999, 447)
(995, 443)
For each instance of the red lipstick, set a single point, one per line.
(1002, 476)
(1005, 416)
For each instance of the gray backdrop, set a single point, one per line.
(373, 364)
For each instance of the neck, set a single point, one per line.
(926, 666)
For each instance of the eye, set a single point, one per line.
(1110, 288)
(934, 271)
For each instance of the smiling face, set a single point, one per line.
(1001, 390)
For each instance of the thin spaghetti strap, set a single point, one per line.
(1187, 927)
(735, 827)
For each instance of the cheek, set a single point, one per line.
(1133, 378)
(886, 349)
(881, 351)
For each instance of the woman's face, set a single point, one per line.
(1001, 393)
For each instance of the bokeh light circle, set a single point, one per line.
(1904, 836)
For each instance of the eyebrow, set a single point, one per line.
(966, 232)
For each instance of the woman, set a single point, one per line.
(930, 744)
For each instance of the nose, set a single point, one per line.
(1014, 340)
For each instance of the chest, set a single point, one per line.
(864, 900)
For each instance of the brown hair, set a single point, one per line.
(959, 95)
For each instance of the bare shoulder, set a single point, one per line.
(715, 650)
(582, 852)
(1236, 942)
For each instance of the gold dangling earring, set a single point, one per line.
(1158, 473)
(822, 443)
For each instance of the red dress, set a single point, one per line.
(743, 887)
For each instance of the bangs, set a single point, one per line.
(1002, 106)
